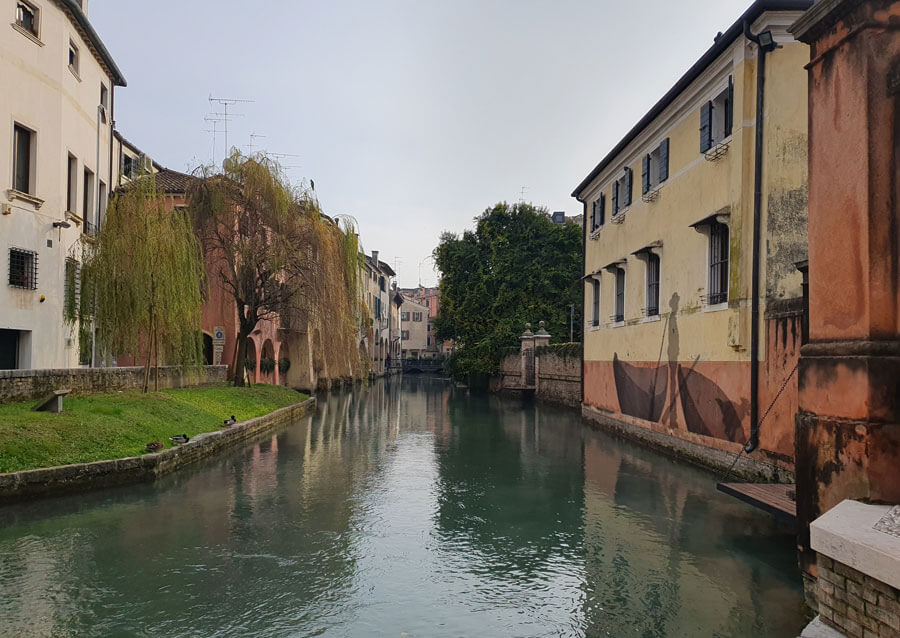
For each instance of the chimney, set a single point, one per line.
(375, 257)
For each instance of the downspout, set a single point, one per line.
(753, 443)
(584, 241)
(87, 215)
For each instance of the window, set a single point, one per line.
(652, 285)
(381, 284)
(72, 184)
(27, 17)
(595, 291)
(104, 96)
(378, 307)
(417, 316)
(73, 58)
(429, 327)
(428, 303)
(718, 263)
(620, 296)
(655, 168)
(23, 146)
(87, 204)
(598, 212)
(128, 165)
(404, 316)
(429, 340)
(717, 118)
(404, 334)
(73, 287)
(101, 203)
(23, 268)
(622, 192)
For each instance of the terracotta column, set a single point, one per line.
(848, 427)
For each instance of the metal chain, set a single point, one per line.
(760, 422)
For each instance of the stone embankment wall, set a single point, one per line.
(856, 604)
(557, 374)
(27, 385)
(52, 481)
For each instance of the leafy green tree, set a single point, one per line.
(517, 266)
(142, 281)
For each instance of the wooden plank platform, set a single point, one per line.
(778, 499)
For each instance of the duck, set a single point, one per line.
(154, 446)
(230, 421)
(179, 439)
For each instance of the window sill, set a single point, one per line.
(596, 232)
(652, 195)
(650, 319)
(617, 324)
(593, 328)
(619, 217)
(28, 34)
(716, 307)
(74, 72)
(75, 217)
(13, 194)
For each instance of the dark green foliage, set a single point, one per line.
(284, 365)
(517, 266)
(267, 365)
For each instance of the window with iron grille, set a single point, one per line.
(73, 287)
(23, 268)
(652, 285)
(620, 295)
(718, 264)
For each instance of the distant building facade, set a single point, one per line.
(431, 299)
(669, 233)
(57, 81)
(382, 334)
(414, 323)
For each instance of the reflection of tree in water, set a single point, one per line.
(500, 496)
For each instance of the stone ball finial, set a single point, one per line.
(527, 327)
(541, 324)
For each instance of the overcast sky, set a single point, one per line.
(411, 115)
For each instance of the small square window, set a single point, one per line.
(73, 58)
(23, 268)
(27, 17)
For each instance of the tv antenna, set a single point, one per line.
(225, 102)
(522, 194)
(252, 137)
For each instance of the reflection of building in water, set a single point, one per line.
(658, 552)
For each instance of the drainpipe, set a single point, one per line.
(87, 215)
(764, 46)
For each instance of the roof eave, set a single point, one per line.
(735, 31)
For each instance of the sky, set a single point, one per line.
(413, 116)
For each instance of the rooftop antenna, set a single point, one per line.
(214, 131)
(226, 102)
(252, 136)
(522, 194)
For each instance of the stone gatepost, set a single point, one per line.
(527, 353)
(848, 426)
(541, 338)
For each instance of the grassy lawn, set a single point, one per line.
(110, 426)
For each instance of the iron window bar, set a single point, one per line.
(89, 229)
(717, 152)
(714, 299)
(23, 266)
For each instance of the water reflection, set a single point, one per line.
(407, 507)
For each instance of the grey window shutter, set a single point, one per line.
(602, 218)
(615, 203)
(729, 108)
(664, 160)
(593, 216)
(645, 175)
(706, 127)
(628, 186)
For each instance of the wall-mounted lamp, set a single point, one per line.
(766, 40)
(62, 225)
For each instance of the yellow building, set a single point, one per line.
(670, 224)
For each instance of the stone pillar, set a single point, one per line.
(848, 426)
(541, 338)
(527, 350)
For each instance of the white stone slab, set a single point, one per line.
(847, 534)
(818, 629)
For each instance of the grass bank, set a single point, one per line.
(110, 426)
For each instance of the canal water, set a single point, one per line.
(412, 508)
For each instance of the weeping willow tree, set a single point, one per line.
(279, 258)
(142, 281)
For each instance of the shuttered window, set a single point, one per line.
(595, 291)
(622, 192)
(664, 160)
(706, 140)
(717, 118)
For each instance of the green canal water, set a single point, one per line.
(411, 508)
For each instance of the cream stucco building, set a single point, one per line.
(673, 228)
(414, 329)
(56, 159)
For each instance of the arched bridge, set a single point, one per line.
(423, 365)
